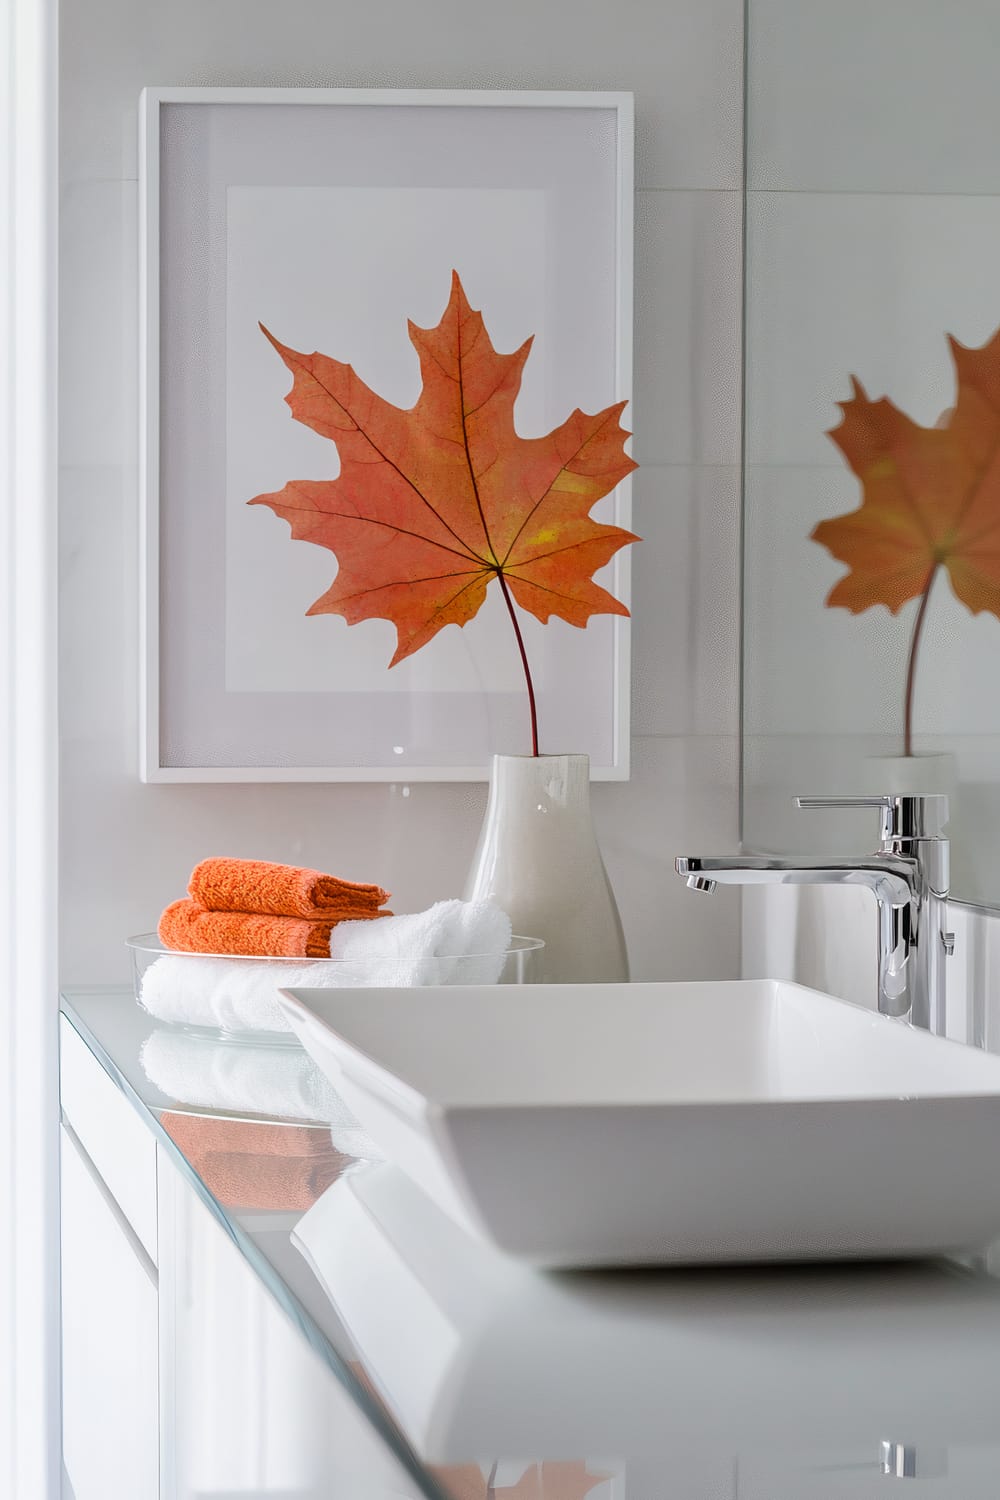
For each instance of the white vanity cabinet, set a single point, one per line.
(182, 1379)
(109, 1343)
(109, 1286)
(249, 1407)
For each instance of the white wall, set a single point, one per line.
(873, 229)
(128, 848)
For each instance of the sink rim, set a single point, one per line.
(912, 1058)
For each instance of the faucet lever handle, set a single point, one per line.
(914, 816)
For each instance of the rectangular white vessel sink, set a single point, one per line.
(685, 1123)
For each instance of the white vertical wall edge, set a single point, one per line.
(29, 1387)
(149, 432)
(624, 376)
(150, 767)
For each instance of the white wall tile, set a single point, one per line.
(688, 300)
(822, 936)
(895, 96)
(842, 284)
(98, 612)
(98, 295)
(686, 572)
(682, 58)
(682, 799)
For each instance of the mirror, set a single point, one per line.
(872, 557)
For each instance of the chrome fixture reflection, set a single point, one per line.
(908, 875)
(898, 1460)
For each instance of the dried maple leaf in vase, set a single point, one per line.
(930, 502)
(435, 503)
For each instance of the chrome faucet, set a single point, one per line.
(909, 876)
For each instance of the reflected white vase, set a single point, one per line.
(538, 858)
(911, 775)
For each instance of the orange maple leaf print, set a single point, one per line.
(434, 503)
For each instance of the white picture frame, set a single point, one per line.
(216, 177)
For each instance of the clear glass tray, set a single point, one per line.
(189, 988)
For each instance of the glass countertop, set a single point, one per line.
(489, 1379)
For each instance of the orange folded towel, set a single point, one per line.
(253, 885)
(249, 1165)
(190, 928)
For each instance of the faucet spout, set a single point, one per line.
(890, 877)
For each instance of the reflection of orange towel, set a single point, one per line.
(253, 885)
(249, 1165)
(189, 927)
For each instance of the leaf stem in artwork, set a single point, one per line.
(911, 670)
(524, 660)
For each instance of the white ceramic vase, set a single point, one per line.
(538, 858)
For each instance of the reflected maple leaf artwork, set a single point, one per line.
(545, 1480)
(930, 502)
(434, 503)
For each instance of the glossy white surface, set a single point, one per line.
(110, 1132)
(109, 1343)
(246, 1408)
(657, 1123)
(470, 1348)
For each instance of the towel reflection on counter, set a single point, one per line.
(248, 1163)
(256, 1165)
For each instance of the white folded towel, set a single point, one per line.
(236, 994)
(454, 942)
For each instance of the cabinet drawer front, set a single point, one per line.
(120, 1146)
(109, 1344)
(250, 1409)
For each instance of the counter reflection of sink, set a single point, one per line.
(476, 1354)
(581, 1125)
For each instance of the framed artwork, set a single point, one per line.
(366, 224)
